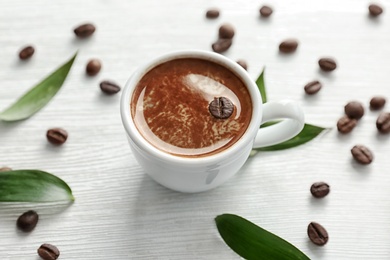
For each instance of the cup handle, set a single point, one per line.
(292, 123)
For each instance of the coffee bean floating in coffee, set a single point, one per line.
(48, 252)
(26, 53)
(27, 221)
(93, 67)
(221, 108)
(312, 87)
(5, 169)
(345, 124)
(317, 234)
(226, 31)
(362, 154)
(375, 10)
(109, 87)
(327, 64)
(243, 64)
(383, 123)
(288, 46)
(377, 103)
(57, 136)
(319, 189)
(265, 11)
(354, 109)
(84, 30)
(212, 13)
(221, 45)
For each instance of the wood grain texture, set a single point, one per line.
(119, 212)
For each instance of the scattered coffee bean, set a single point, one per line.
(375, 10)
(221, 108)
(57, 136)
(26, 53)
(221, 45)
(5, 169)
(383, 123)
(265, 11)
(317, 234)
(362, 154)
(312, 87)
(93, 67)
(345, 124)
(354, 109)
(377, 103)
(327, 64)
(212, 13)
(226, 31)
(109, 87)
(48, 252)
(243, 64)
(288, 46)
(27, 221)
(84, 30)
(319, 189)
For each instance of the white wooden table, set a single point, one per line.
(119, 212)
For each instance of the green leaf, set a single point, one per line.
(308, 133)
(38, 96)
(33, 186)
(253, 242)
(260, 84)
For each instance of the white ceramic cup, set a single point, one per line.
(196, 174)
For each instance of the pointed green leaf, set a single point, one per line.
(33, 186)
(253, 242)
(261, 85)
(37, 97)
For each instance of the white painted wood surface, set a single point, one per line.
(119, 212)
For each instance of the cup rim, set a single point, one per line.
(136, 137)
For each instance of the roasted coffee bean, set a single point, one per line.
(319, 189)
(5, 169)
(383, 123)
(26, 53)
(312, 87)
(93, 67)
(375, 10)
(377, 103)
(288, 46)
(48, 252)
(354, 109)
(243, 64)
(221, 45)
(109, 87)
(27, 221)
(84, 30)
(265, 11)
(362, 154)
(221, 108)
(212, 13)
(317, 234)
(57, 136)
(327, 64)
(226, 31)
(345, 124)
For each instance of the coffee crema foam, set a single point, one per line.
(170, 107)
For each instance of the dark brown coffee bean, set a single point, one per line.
(312, 87)
(377, 103)
(319, 189)
(212, 13)
(221, 108)
(243, 64)
(317, 234)
(383, 123)
(265, 11)
(26, 53)
(27, 221)
(226, 31)
(48, 252)
(84, 30)
(345, 124)
(327, 64)
(354, 109)
(288, 46)
(362, 154)
(93, 67)
(5, 169)
(57, 136)
(109, 87)
(221, 45)
(375, 10)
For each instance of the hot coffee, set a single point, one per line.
(171, 107)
